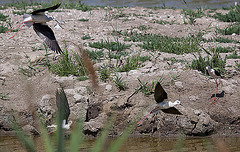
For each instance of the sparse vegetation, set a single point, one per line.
(105, 72)
(3, 17)
(119, 82)
(192, 14)
(85, 37)
(234, 55)
(69, 65)
(157, 42)
(83, 20)
(4, 96)
(3, 29)
(147, 88)
(237, 66)
(229, 30)
(213, 59)
(112, 46)
(231, 16)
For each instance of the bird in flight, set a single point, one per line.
(163, 104)
(38, 20)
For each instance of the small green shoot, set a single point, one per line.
(119, 82)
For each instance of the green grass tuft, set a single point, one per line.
(229, 30)
(69, 65)
(231, 16)
(213, 59)
(3, 17)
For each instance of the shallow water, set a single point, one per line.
(143, 144)
(150, 3)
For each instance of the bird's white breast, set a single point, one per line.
(164, 105)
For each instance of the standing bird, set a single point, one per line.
(160, 97)
(38, 19)
(216, 75)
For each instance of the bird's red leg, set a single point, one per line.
(143, 118)
(215, 94)
(15, 27)
(17, 32)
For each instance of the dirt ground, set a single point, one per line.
(196, 91)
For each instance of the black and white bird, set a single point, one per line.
(38, 20)
(163, 104)
(63, 110)
(216, 75)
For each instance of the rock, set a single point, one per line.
(64, 81)
(79, 98)
(196, 122)
(193, 98)
(47, 107)
(30, 130)
(179, 84)
(108, 87)
(93, 111)
(95, 125)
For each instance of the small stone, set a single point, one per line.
(108, 87)
(179, 84)
(193, 98)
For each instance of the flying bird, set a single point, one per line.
(163, 104)
(216, 75)
(63, 110)
(38, 20)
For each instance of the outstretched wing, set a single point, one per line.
(159, 93)
(40, 11)
(62, 105)
(47, 35)
(172, 110)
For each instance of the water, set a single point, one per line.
(151, 3)
(143, 144)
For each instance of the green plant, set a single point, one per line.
(157, 42)
(163, 21)
(83, 20)
(200, 63)
(130, 63)
(113, 46)
(237, 66)
(224, 40)
(4, 96)
(147, 88)
(105, 72)
(231, 16)
(222, 49)
(19, 12)
(69, 65)
(3, 17)
(85, 37)
(234, 55)
(192, 14)
(173, 78)
(121, 85)
(36, 66)
(3, 29)
(95, 55)
(229, 30)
